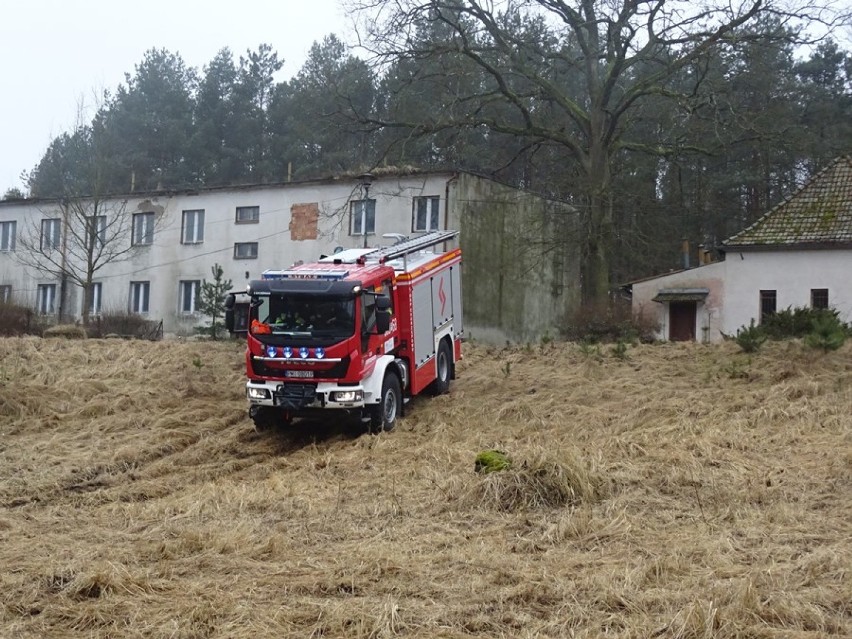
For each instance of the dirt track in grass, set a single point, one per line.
(686, 491)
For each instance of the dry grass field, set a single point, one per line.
(685, 491)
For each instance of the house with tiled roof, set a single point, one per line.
(798, 254)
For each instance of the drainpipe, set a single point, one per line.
(453, 178)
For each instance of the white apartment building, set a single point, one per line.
(172, 239)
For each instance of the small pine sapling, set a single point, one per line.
(212, 301)
(750, 339)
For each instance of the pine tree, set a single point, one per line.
(212, 301)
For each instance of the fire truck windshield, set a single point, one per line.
(305, 315)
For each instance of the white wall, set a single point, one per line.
(792, 274)
(11, 271)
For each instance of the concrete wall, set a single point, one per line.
(520, 267)
(735, 286)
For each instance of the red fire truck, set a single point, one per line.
(363, 331)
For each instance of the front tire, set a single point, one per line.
(267, 418)
(384, 415)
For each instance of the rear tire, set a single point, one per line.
(383, 416)
(444, 365)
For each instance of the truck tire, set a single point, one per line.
(267, 418)
(383, 415)
(444, 364)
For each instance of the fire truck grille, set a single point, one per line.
(294, 396)
(335, 372)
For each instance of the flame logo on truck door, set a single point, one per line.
(442, 296)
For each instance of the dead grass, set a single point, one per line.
(686, 491)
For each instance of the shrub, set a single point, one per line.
(796, 322)
(611, 321)
(619, 350)
(124, 324)
(827, 333)
(750, 339)
(19, 320)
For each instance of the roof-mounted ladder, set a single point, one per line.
(407, 247)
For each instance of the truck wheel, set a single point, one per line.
(267, 418)
(444, 363)
(383, 416)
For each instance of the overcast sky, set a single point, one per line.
(55, 53)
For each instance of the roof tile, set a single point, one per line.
(820, 212)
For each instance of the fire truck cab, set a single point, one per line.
(362, 331)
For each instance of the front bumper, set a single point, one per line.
(308, 396)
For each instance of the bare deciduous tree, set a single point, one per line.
(567, 73)
(86, 229)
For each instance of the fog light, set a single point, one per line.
(347, 396)
(258, 393)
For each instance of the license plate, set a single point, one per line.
(298, 373)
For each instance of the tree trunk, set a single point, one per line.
(599, 241)
(87, 302)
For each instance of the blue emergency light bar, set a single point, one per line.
(305, 274)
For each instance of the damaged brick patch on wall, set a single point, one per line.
(303, 221)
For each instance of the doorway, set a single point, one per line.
(682, 321)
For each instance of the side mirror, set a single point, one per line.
(230, 300)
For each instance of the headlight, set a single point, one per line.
(347, 396)
(258, 393)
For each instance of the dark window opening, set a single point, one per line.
(768, 304)
(819, 298)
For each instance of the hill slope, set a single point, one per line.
(686, 491)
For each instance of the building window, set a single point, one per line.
(143, 229)
(97, 229)
(189, 293)
(819, 298)
(768, 304)
(245, 251)
(139, 295)
(362, 217)
(248, 214)
(50, 229)
(46, 298)
(5, 293)
(425, 217)
(95, 305)
(192, 231)
(7, 236)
